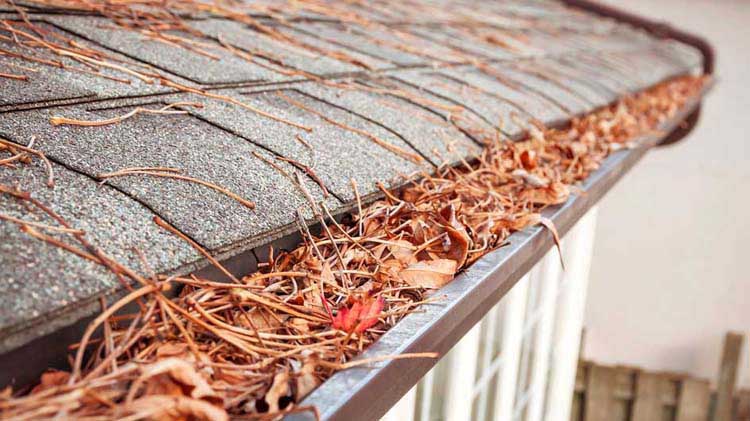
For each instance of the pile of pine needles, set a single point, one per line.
(252, 348)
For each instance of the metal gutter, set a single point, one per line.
(368, 392)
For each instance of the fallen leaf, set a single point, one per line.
(183, 373)
(305, 379)
(50, 379)
(532, 219)
(403, 251)
(457, 246)
(171, 349)
(279, 389)
(553, 194)
(528, 159)
(531, 179)
(430, 274)
(173, 408)
(362, 315)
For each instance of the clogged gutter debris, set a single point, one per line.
(254, 347)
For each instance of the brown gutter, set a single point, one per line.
(660, 30)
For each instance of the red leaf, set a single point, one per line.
(362, 315)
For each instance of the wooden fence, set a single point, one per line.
(620, 393)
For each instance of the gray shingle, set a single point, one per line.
(464, 119)
(221, 67)
(353, 39)
(430, 133)
(264, 46)
(41, 283)
(492, 84)
(553, 90)
(337, 155)
(493, 110)
(197, 148)
(48, 83)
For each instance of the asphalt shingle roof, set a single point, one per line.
(502, 63)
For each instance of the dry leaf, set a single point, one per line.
(182, 373)
(430, 274)
(531, 179)
(279, 389)
(362, 315)
(174, 408)
(305, 379)
(553, 194)
(458, 242)
(171, 349)
(51, 379)
(403, 251)
(528, 159)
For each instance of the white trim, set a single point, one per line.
(577, 250)
(514, 306)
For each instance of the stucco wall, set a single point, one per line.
(670, 269)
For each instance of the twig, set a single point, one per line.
(61, 121)
(174, 173)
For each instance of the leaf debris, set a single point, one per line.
(257, 346)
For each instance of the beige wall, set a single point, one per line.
(670, 270)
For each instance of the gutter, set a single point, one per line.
(369, 392)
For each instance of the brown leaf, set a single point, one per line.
(174, 408)
(183, 373)
(171, 349)
(531, 179)
(305, 379)
(457, 246)
(279, 389)
(302, 325)
(430, 274)
(403, 251)
(326, 274)
(50, 379)
(532, 219)
(553, 194)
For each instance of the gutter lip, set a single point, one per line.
(368, 392)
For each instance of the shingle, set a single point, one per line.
(507, 44)
(355, 40)
(474, 46)
(48, 83)
(39, 282)
(594, 74)
(221, 67)
(428, 132)
(493, 110)
(464, 119)
(262, 45)
(360, 59)
(337, 154)
(553, 90)
(576, 83)
(492, 84)
(197, 148)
